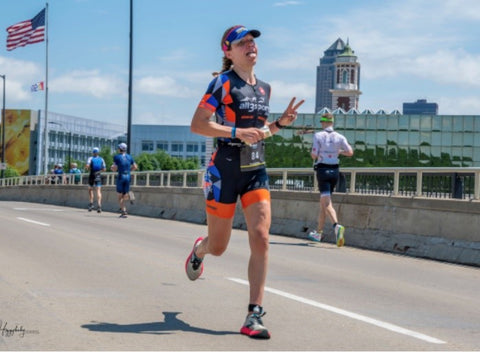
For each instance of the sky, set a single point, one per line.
(407, 49)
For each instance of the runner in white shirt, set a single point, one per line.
(327, 146)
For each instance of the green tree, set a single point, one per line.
(191, 164)
(10, 172)
(145, 162)
(160, 160)
(106, 154)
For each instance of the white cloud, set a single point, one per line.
(286, 3)
(289, 90)
(460, 9)
(16, 92)
(90, 82)
(174, 56)
(452, 106)
(290, 62)
(403, 38)
(21, 75)
(448, 67)
(163, 86)
(445, 67)
(159, 117)
(20, 69)
(283, 92)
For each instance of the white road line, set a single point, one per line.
(33, 221)
(379, 323)
(43, 209)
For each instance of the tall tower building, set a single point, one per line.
(338, 78)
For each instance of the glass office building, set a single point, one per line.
(177, 141)
(453, 138)
(420, 107)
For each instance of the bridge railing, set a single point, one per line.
(447, 183)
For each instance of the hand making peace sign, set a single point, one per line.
(290, 113)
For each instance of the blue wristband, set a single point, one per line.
(234, 130)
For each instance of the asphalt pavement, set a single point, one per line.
(77, 280)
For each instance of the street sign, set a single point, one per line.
(3, 166)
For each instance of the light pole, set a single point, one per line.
(3, 127)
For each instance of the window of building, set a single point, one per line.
(476, 153)
(436, 139)
(392, 137)
(468, 123)
(350, 122)
(447, 123)
(425, 152)
(392, 124)
(381, 139)
(177, 147)
(468, 139)
(360, 137)
(360, 124)
(414, 139)
(192, 148)
(381, 124)
(371, 138)
(426, 137)
(372, 122)
(467, 154)
(437, 124)
(350, 135)
(162, 145)
(447, 139)
(147, 146)
(344, 103)
(415, 123)
(403, 139)
(458, 124)
(457, 139)
(426, 123)
(403, 122)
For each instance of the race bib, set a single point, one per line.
(252, 156)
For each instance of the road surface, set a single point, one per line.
(74, 280)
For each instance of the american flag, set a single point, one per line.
(27, 32)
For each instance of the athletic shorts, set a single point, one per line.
(95, 179)
(327, 178)
(224, 183)
(123, 183)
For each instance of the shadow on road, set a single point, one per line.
(323, 244)
(301, 244)
(171, 323)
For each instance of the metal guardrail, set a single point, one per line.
(447, 183)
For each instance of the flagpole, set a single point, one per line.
(45, 127)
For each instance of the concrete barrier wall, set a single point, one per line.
(438, 229)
